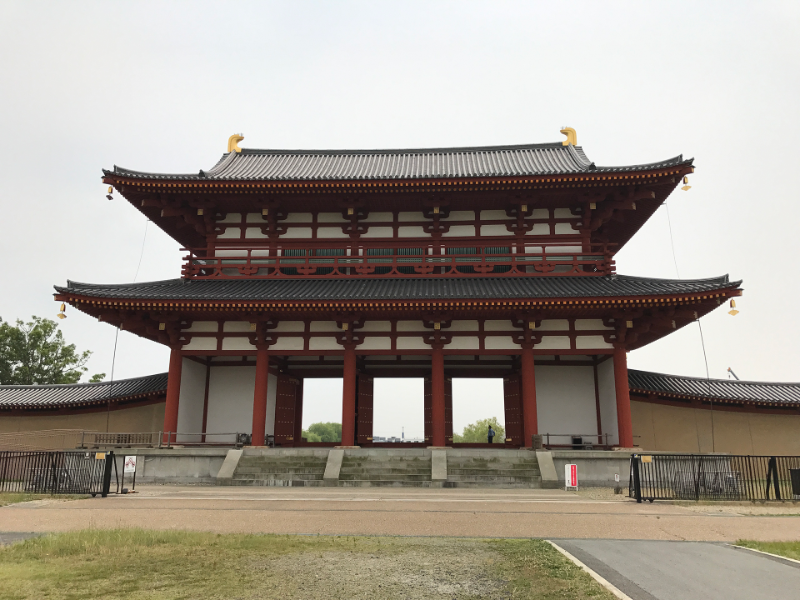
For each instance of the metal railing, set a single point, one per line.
(56, 472)
(713, 477)
(160, 439)
(577, 441)
(259, 263)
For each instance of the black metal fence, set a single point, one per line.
(714, 477)
(56, 472)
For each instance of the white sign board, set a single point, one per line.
(571, 476)
(130, 465)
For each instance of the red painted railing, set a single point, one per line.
(261, 263)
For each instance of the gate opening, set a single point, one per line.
(476, 404)
(322, 410)
(398, 410)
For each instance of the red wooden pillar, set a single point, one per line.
(260, 398)
(173, 393)
(448, 411)
(349, 398)
(623, 398)
(438, 406)
(428, 411)
(530, 425)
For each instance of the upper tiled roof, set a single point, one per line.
(426, 163)
(80, 394)
(758, 392)
(399, 289)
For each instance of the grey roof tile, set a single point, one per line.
(399, 289)
(759, 392)
(426, 163)
(79, 394)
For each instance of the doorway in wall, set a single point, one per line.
(398, 410)
(476, 403)
(322, 409)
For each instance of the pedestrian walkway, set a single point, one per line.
(659, 570)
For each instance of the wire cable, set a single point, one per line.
(702, 340)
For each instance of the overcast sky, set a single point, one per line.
(160, 86)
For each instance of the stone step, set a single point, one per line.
(501, 486)
(492, 480)
(278, 482)
(382, 483)
(383, 477)
(509, 472)
(375, 469)
(252, 476)
(280, 469)
(268, 463)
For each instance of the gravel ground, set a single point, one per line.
(412, 569)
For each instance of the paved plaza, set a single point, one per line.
(402, 511)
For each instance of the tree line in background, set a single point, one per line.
(474, 433)
(35, 353)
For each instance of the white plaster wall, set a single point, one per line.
(331, 217)
(460, 231)
(298, 218)
(232, 218)
(463, 326)
(595, 324)
(411, 343)
(411, 231)
(230, 401)
(297, 232)
(254, 218)
(378, 232)
(236, 326)
(376, 343)
(378, 217)
(190, 402)
(254, 233)
(289, 326)
(539, 229)
(202, 343)
(237, 343)
(498, 326)
(324, 326)
(553, 342)
(411, 216)
(554, 325)
(203, 326)
(376, 326)
(497, 342)
(591, 342)
(565, 401)
(324, 343)
(465, 343)
(410, 326)
(331, 232)
(492, 215)
(288, 343)
(495, 230)
(608, 400)
(564, 228)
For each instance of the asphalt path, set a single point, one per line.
(394, 511)
(659, 570)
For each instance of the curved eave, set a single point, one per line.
(716, 400)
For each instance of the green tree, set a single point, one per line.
(476, 432)
(323, 432)
(35, 353)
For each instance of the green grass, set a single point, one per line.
(787, 549)
(136, 563)
(7, 498)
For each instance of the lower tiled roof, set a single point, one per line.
(399, 289)
(80, 394)
(754, 392)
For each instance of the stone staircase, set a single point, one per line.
(275, 467)
(365, 468)
(492, 469)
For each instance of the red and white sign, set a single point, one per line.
(130, 465)
(571, 476)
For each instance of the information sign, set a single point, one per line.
(571, 476)
(130, 465)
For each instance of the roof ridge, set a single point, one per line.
(439, 150)
(728, 381)
(48, 386)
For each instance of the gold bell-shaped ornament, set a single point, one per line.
(733, 312)
(61, 314)
(686, 187)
